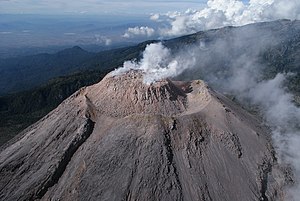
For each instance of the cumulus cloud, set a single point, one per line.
(139, 31)
(219, 13)
(155, 17)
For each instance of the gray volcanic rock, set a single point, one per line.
(123, 140)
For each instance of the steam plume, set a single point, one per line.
(158, 63)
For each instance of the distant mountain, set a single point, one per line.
(9, 52)
(280, 55)
(23, 73)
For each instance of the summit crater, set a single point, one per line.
(122, 95)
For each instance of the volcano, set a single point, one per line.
(122, 139)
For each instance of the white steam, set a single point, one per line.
(232, 65)
(157, 63)
(241, 73)
(220, 13)
(284, 119)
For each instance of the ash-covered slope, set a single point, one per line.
(123, 140)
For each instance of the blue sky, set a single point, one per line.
(96, 7)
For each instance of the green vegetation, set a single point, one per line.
(20, 110)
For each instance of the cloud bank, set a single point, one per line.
(139, 31)
(220, 13)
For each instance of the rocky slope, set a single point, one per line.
(123, 140)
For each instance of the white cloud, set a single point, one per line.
(139, 31)
(155, 17)
(5, 32)
(219, 13)
(70, 34)
(103, 39)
